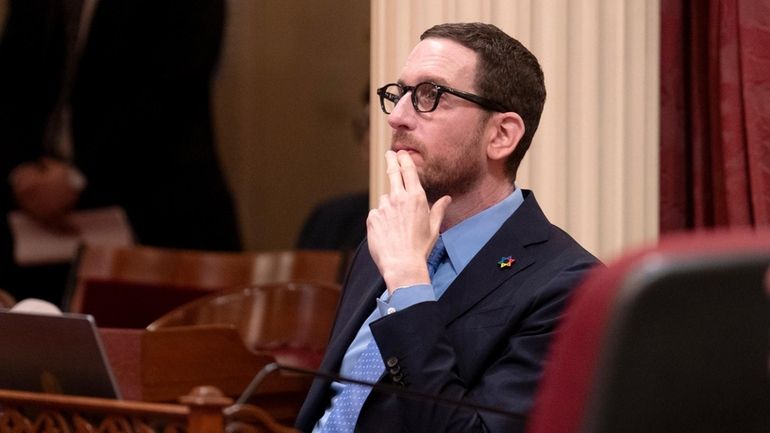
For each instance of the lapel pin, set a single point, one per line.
(506, 262)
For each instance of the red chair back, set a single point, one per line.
(672, 337)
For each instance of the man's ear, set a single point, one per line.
(509, 128)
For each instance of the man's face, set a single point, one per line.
(446, 144)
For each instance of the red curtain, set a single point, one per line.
(715, 114)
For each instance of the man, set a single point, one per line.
(463, 113)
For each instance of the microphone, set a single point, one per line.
(385, 387)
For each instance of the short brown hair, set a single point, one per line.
(507, 73)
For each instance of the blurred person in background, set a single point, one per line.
(107, 103)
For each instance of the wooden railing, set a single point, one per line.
(203, 410)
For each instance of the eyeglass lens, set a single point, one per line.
(423, 96)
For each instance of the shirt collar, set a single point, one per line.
(465, 239)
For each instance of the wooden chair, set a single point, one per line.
(204, 410)
(291, 321)
(132, 286)
(288, 322)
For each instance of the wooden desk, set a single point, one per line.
(160, 365)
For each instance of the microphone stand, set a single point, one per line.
(388, 388)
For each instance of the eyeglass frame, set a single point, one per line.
(485, 103)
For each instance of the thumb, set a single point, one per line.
(437, 212)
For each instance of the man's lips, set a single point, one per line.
(404, 141)
(398, 147)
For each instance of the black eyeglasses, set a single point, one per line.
(425, 97)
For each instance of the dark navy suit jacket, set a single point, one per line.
(484, 340)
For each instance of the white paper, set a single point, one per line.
(36, 244)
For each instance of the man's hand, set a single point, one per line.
(45, 190)
(403, 228)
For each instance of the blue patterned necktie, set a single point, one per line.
(436, 257)
(368, 368)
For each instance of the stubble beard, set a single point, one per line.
(446, 174)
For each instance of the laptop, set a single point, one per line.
(59, 354)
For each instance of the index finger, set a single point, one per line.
(393, 169)
(408, 171)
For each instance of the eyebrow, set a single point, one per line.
(431, 79)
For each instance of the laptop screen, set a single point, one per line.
(60, 354)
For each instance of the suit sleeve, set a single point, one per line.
(506, 344)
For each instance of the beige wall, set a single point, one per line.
(290, 80)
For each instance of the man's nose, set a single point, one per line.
(403, 113)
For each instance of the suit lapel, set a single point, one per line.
(527, 226)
